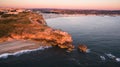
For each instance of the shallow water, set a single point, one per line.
(100, 33)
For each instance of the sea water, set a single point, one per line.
(100, 33)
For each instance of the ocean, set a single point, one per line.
(100, 33)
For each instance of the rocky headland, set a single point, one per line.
(30, 26)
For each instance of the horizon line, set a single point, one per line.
(61, 8)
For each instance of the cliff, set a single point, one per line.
(31, 26)
(42, 33)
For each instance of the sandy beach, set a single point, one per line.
(17, 45)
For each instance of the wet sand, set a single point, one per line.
(17, 45)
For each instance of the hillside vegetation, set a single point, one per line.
(9, 22)
(21, 18)
(31, 26)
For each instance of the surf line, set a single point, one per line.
(6, 55)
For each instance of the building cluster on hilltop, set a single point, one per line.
(12, 10)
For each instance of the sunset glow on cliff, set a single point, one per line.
(67, 4)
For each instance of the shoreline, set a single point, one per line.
(19, 45)
(52, 15)
(29, 45)
(28, 30)
(22, 51)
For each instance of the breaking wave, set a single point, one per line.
(103, 58)
(6, 55)
(111, 56)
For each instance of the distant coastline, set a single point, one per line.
(77, 11)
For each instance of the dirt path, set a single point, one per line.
(34, 22)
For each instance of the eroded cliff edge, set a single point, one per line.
(32, 26)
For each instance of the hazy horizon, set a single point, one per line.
(63, 4)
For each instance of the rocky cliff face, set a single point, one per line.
(38, 31)
(42, 33)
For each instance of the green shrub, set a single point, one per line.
(5, 29)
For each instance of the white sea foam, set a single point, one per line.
(111, 56)
(117, 59)
(5, 55)
(88, 51)
(102, 58)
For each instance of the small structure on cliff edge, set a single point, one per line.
(82, 48)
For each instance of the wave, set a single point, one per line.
(103, 58)
(111, 56)
(88, 51)
(117, 59)
(6, 55)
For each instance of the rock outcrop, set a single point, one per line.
(37, 30)
(42, 33)
(82, 48)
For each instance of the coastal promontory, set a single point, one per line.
(18, 25)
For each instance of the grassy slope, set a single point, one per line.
(9, 23)
(20, 27)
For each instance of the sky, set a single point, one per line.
(65, 4)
